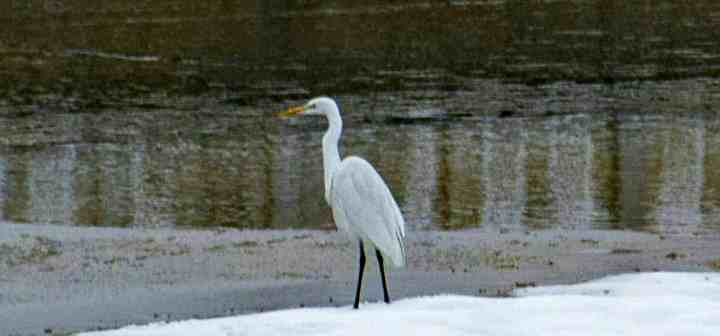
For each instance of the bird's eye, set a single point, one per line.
(312, 106)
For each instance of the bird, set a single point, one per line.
(361, 202)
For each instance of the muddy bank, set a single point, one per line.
(62, 279)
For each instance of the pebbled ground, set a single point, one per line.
(60, 279)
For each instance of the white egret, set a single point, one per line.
(361, 202)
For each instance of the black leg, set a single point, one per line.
(360, 275)
(382, 275)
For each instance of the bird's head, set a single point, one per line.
(317, 106)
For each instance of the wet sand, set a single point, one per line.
(59, 279)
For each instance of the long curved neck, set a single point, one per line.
(331, 156)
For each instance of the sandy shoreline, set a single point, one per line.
(58, 279)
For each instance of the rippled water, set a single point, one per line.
(644, 172)
(496, 114)
(83, 55)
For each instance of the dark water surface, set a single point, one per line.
(499, 114)
(582, 171)
(83, 55)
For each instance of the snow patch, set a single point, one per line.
(634, 304)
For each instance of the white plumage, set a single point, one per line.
(364, 207)
(361, 202)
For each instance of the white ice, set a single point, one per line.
(682, 304)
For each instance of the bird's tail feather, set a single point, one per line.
(398, 256)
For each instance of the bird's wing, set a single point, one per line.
(362, 197)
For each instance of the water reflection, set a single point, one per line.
(583, 171)
(505, 159)
(710, 201)
(682, 170)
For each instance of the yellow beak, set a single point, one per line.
(291, 112)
